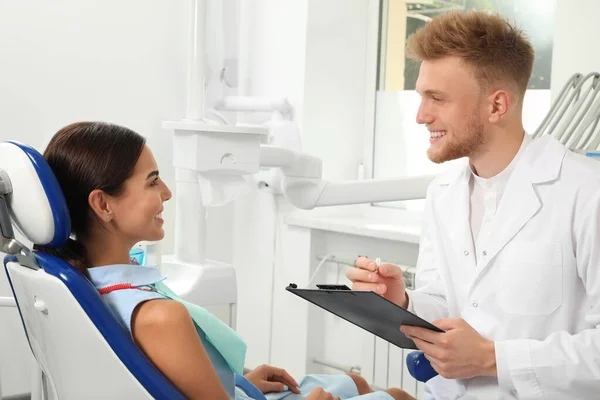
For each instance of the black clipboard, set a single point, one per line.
(367, 310)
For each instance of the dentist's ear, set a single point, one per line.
(499, 104)
(99, 205)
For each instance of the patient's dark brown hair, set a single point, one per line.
(86, 156)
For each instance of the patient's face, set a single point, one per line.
(138, 210)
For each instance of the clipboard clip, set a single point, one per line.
(333, 287)
(322, 287)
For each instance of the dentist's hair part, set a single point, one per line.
(86, 156)
(496, 50)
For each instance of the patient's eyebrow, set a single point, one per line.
(151, 174)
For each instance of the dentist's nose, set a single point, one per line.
(423, 115)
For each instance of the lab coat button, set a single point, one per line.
(475, 304)
(466, 253)
(484, 253)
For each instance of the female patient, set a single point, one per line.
(115, 198)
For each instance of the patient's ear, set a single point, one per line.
(99, 205)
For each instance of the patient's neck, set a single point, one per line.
(105, 248)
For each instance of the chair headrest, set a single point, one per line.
(36, 204)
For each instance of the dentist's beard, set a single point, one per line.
(458, 145)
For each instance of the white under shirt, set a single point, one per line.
(485, 195)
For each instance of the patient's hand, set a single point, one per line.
(270, 379)
(320, 394)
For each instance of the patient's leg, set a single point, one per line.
(399, 394)
(364, 388)
(361, 384)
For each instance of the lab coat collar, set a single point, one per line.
(135, 275)
(544, 158)
(453, 174)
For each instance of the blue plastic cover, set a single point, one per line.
(419, 367)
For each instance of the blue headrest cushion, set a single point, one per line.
(37, 205)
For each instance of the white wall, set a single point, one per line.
(112, 61)
(314, 53)
(335, 85)
(575, 32)
(276, 54)
(122, 62)
(275, 60)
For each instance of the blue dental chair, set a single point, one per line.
(80, 347)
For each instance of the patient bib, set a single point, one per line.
(227, 341)
(111, 280)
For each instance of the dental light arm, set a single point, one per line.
(309, 193)
(304, 188)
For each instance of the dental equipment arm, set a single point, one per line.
(217, 150)
(573, 119)
(574, 116)
(558, 127)
(304, 188)
(6, 232)
(570, 88)
(255, 104)
(8, 244)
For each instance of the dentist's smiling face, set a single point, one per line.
(138, 210)
(452, 108)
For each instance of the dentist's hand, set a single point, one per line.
(269, 379)
(387, 282)
(320, 394)
(459, 353)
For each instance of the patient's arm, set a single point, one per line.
(164, 330)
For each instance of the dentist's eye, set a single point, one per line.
(154, 182)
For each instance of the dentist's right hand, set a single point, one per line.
(387, 281)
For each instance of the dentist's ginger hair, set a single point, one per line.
(496, 50)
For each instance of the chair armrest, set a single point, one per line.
(7, 302)
(419, 367)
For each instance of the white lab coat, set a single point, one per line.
(535, 289)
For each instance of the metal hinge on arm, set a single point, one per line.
(8, 243)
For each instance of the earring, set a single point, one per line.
(108, 218)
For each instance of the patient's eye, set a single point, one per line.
(154, 182)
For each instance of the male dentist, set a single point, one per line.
(509, 258)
